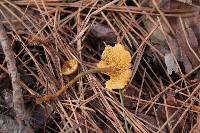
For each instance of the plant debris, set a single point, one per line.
(62, 61)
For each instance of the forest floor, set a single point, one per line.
(88, 66)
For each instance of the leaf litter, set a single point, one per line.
(162, 94)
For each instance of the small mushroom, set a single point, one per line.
(119, 58)
(70, 67)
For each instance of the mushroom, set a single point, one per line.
(70, 67)
(117, 57)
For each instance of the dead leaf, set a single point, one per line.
(171, 64)
(103, 33)
(157, 37)
(186, 1)
(187, 56)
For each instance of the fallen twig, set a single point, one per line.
(18, 101)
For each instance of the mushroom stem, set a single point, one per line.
(45, 98)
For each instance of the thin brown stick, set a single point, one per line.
(18, 101)
(11, 64)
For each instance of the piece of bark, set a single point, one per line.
(5, 81)
(8, 125)
(7, 96)
(18, 101)
(11, 65)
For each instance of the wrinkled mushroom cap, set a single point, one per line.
(116, 57)
(70, 67)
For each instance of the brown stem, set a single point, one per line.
(45, 98)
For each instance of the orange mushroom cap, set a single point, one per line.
(116, 57)
(70, 67)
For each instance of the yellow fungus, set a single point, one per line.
(117, 57)
(70, 67)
